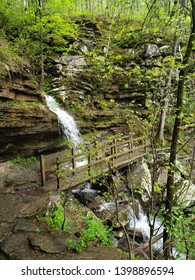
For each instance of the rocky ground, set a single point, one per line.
(23, 237)
(23, 202)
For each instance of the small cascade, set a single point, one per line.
(108, 206)
(135, 221)
(66, 121)
(140, 223)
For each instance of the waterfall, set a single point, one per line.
(66, 121)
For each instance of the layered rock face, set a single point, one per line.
(103, 82)
(26, 125)
(99, 82)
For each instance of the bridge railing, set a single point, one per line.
(90, 161)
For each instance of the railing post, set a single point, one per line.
(73, 159)
(42, 169)
(58, 172)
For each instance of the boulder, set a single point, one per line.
(88, 196)
(108, 212)
(139, 180)
(152, 50)
(69, 65)
(50, 243)
(16, 247)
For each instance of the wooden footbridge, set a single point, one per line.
(79, 165)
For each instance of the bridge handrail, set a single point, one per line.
(110, 151)
(97, 155)
(106, 144)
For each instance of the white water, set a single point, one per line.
(141, 223)
(107, 206)
(66, 121)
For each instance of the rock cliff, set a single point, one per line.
(26, 125)
(101, 79)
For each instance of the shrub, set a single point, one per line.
(95, 234)
(56, 220)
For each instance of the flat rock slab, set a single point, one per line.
(102, 253)
(6, 229)
(10, 206)
(33, 207)
(50, 243)
(16, 247)
(29, 226)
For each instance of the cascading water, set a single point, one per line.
(141, 223)
(137, 219)
(66, 121)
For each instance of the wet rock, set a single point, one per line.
(88, 196)
(108, 212)
(137, 234)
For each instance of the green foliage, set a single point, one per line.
(157, 189)
(16, 159)
(56, 219)
(182, 231)
(55, 29)
(9, 59)
(19, 159)
(95, 234)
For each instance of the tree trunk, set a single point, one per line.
(175, 137)
(192, 163)
(165, 103)
(163, 113)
